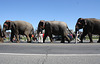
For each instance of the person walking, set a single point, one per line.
(40, 37)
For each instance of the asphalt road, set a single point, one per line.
(50, 53)
(50, 48)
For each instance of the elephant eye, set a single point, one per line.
(41, 24)
(79, 23)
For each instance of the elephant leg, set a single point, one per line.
(28, 39)
(68, 39)
(45, 35)
(62, 40)
(50, 38)
(90, 37)
(12, 36)
(27, 36)
(98, 40)
(17, 37)
(82, 36)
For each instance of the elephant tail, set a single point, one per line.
(71, 32)
(31, 32)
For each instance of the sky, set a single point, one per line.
(33, 11)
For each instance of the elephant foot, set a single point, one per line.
(80, 41)
(11, 41)
(17, 41)
(51, 42)
(69, 41)
(91, 42)
(98, 41)
(28, 41)
(43, 41)
(62, 42)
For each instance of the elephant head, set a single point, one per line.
(81, 23)
(41, 26)
(8, 25)
(1, 32)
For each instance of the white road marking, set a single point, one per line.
(22, 54)
(74, 55)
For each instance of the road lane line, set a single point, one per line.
(49, 54)
(22, 54)
(73, 54)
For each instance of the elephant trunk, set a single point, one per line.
(76, 29)
(38, 31)
(4, 32)
(71, 32)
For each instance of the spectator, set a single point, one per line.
(40, 39)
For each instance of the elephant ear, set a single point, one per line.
(47, 25)
(82, 21)
(12, 26)
(7, 24)
(41, 24)
(85, 22)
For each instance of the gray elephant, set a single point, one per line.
(18, 28)
(90, 26)
(55, 28)
(1, 34)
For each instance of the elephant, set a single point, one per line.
(1, 35)
(19, 28)
(55, 28)
(90, 26)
